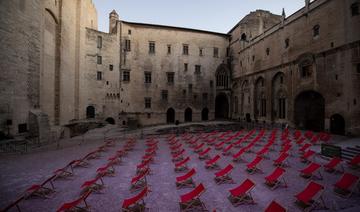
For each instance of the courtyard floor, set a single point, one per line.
(19, 172)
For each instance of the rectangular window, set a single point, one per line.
(164, 95)
(127, 45)
(216, 52)
(287, 43)
(306, 71)
(147, 102)
(111, 67)
(170, 77)
(190, 86)
(184, 92)
(316, 31)
(197, 69)
(168, 49)
(99, 42)
(205, 97)
(211, 83)
(147, 77)
(151, 47)
(263, 107)
(99, 75)
(22, 128)
(185, 66)
(185, 49)
(200, 52)
(129, 31)
(126, 76)
(227, 52)
(99, 60)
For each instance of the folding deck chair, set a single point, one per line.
(346, 185)
(106, 170)
(220, 145)
(242, 193)
(136, 203)
(276, 178)
(78, 163)
(223, 176)
(237, 156)
(304, 148)
(254, 166)
(262, 152)
(227, 150)
(94, 185)
(333, 164)
(191, 201)
(211, 164)
(282, 160)
(204, 154)
(186, 179)
(198, 148)
(143, 166)
(139, 181)
(77, 204)
(275, 207)
(181, 165)
(42, 190)
(310, 171)
(354, 163)
(310, 197)
(211, 142)
(116, 159)
(308, 155)
(178, 156)
(63, 173)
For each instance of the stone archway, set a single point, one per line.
(110, 120)
(309, 111)
(188, 115)
(90, 112)
(170, 116)
(221, 107)
(205, 114)
(337, 124)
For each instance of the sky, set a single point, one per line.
(211, 15)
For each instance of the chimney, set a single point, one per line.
(307, 3)
(283, 17)
(113, 18)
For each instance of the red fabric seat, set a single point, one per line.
(204, 154)
(242, 193)
(307, 156)
(310, 171)
(333, 163)
(310, 194)
(76, 203)
(223, 175)
(355, 161)
(186, 179)
(195, 193)
(274, 179)
(181, 165)
(254, 165)
(219, 145)
(275, 207)
(237, 156)
(135, 200)
(346, 185)
(281, 160)
(212, 162)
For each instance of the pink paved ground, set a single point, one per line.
(18, 172)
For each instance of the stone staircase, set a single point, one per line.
(349, 152)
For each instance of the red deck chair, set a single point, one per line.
(308, 155)
(346, 185)
(223, 176)
(299, 141)
(286, 148)
(237, 156)
(310, 171)
(262, 152)
(354, 163)
(275, 207)
(333, 164)
(78, 163)
(148, 158)
(220, 145)
(211, 164)
(198, 148)
(178, 156)
(42, 190)
(136, 203)
(211, 142)
(177, 146)
(106, 170)
(63, 173)
(94, 185)
(139, 181)
(181, 165)
(186, 179)
(77, 204)
(116, 159)
(204, 154)
(276, 178)
(143, 166)
(304, 148)
(310, 197)
(254, 165)
(282, 160)
(191, 201)
(242, 193)
(227, 150)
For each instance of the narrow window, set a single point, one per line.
(200, 52)
(126, 76)
(281, 80)
(170, 77)
(267, 51)
(99, 75)
(190, 86)
(211, 83)
(355, 9)
(127, 45)
(111, 67)
(306, 71)
(316, 31)
(147, 77)
(147, 102)
(253, 58)
(22, 128)
(287, 43)
(129, 32)
(184, 92)
(168, 49)
(197, 69)
(99, 42)
(99, 60)
(185, 66)
(185, 49)
(164, 95)
(151, 47)
(216, 52)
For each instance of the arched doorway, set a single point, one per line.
(188, 115)
(205, 114)
(110, 120)
(221, 107)
(310, 111)
(337, 124)
(90, 112)
(170, 116)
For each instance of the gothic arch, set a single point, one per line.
(260, 97)
(222, 75)
(279, 97)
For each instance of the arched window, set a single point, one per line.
(316, 30)
(243, 37)
(260, 97)
(236, 104)
(222, 77)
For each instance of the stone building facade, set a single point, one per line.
(302, 70)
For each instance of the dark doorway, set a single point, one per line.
(337, 124)
(188, 115)
(90, 112)
(221, 107)
(205, 114)
(170, 116)
(310, 111)
(248, 118)
(110, 120)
